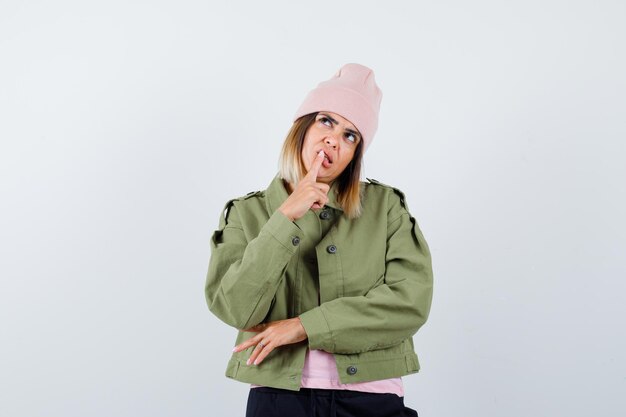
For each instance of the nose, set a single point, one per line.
(331, 140)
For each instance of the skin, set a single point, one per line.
(334, 135)
(338, 138)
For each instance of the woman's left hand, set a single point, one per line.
(271, 335)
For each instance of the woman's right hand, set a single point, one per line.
(308, 193)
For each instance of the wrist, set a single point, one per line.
(286, 214)
(302, 329)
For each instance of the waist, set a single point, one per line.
(320, 372)
(338, 393)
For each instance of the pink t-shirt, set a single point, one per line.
(320, 371)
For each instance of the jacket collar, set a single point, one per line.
(276, 193)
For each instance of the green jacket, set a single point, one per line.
(362, 288)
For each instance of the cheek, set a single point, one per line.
(308, 156)
(305, 160)
(345, 160)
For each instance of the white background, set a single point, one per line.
(125, 126)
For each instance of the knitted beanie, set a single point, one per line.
(352, 92)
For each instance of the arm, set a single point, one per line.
(243, 275)
(391, 311)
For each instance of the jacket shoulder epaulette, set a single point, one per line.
(395, 190)
(252, 194)
(229, 203)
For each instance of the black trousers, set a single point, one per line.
(315, 402)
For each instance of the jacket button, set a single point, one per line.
(351, 370)
(295, 241)
(325, 215)
(331, 249)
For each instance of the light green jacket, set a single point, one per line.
(362, 288)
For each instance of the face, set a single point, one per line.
(337, 137)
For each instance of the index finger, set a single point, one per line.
(315, 167)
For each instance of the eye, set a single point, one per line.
(351, 137)
(325, 119)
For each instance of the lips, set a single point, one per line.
(327, 158)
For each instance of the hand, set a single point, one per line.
(308, 193)
(271, 335)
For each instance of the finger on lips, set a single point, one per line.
(317, 163)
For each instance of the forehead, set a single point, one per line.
(342, 120)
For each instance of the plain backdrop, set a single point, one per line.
(126, 125)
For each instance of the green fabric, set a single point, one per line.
(375, 289)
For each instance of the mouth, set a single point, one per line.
(327, 160)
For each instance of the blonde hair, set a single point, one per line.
(291, 167)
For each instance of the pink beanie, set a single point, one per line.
(352, 92)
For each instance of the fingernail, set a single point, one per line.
(248, 362)
(256, 363)
(235, 349)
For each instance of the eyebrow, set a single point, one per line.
(354, 132)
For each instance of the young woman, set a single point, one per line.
(326, 277)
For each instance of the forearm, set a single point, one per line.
(382, 318)
(391, 311)
(243, 276)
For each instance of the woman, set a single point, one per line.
(327, 278)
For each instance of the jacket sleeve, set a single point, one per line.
(391, 311)
(243, 276)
